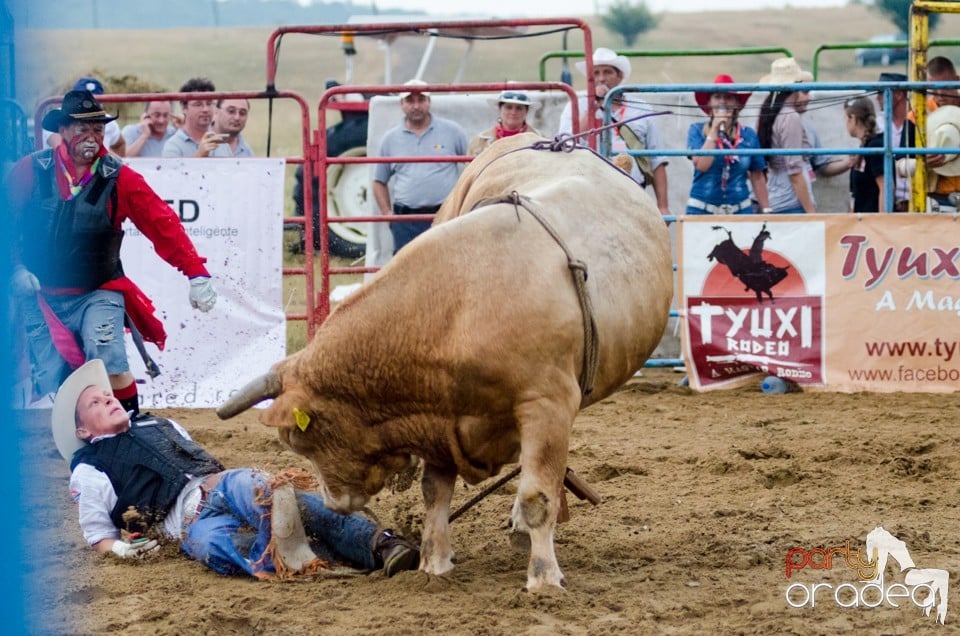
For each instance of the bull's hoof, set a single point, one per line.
(543, 575)
(543, 587)
(436, 566)
(435, 559)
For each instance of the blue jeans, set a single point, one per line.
(96, 318)
(221, 536)
(794, 210)
(403, 233)
(691, 211)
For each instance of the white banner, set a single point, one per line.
(232, 209)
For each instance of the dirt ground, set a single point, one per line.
(703, 497)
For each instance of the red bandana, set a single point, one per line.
(503, 132)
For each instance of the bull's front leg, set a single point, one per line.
(544, 438)
(436, 551)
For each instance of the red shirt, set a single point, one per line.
(135, 201)
(148, 212)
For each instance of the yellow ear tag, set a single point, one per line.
(302, 419)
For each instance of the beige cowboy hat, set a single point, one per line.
(62, 419)
(943, 131)
(413, 83)
(511, 96)
(606, 57)
(785, 70)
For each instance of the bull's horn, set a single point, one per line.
(266, 386)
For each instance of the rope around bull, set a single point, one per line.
(567, 142)
(588, 370)
(560, 143)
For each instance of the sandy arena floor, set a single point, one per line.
(703, 497)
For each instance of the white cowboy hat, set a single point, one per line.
(414, 82)
(511, 96)
(62, 419)
(606, 57)
(785, 70)
(943, 131)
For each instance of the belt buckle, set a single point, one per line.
(726, 208)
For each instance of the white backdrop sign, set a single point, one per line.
(232, 209)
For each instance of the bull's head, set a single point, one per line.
(347, 453)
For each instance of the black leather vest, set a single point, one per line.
(148, 466)
(72, 243)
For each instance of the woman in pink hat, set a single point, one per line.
(720, 182)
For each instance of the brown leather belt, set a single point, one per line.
(399, 208)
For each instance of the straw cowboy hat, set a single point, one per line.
(703, 97)
(414, 83)
(511, 96)
(785, 71)
(62, 419)
(943, 131)
(606, 57)
(76, 106)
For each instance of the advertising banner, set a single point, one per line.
(232, 209)
(832, 302)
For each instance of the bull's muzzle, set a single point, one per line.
(263, 388)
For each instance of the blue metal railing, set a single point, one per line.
(890, 150)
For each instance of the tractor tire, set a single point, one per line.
(348, 187)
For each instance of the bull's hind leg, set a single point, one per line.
(436, 551)
(544, 437)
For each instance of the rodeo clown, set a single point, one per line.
(68, 204)
(146, 476)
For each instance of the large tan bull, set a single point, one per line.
(468, 348)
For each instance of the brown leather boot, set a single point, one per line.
(395, 553)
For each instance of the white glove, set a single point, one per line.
(23, 282)
(202, 294)
(136, 550)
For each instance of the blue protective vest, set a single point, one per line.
(148, 466)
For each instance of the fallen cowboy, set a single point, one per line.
(140, 481)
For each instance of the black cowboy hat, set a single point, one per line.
(76, 106)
